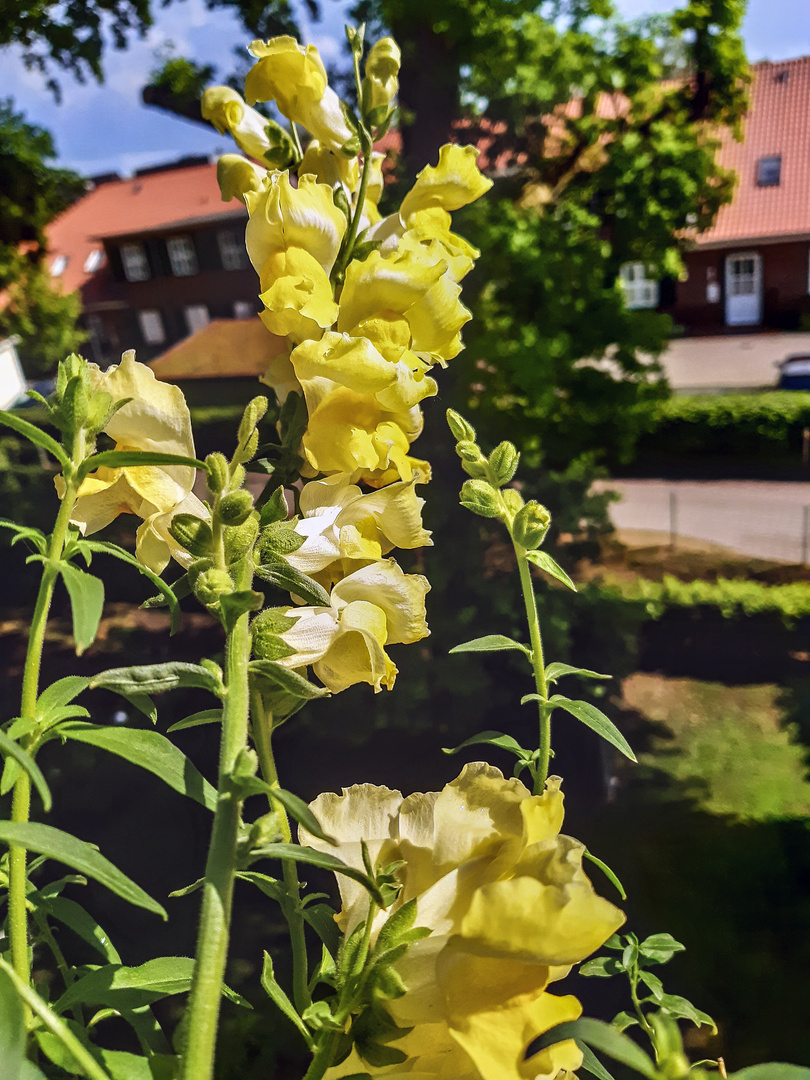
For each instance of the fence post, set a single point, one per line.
(673, 519)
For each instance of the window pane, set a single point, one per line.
(182, 256)
(196, 317)
(152, 327)
(232, 249)
(243, 309)
(136, 267)
(769, 171)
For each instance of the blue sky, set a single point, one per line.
(105, 128)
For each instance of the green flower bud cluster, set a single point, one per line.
(76, 409)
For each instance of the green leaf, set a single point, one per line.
(151, 751)
(235, 604)
(205, 716)
(154, 678)
(142, 703)
(9, 748)
(282, 1002)
(491, 643)
(596, 720)
(653, 983)
(121, 987)
(187, 890)
(491, 738)
(772, 1070)
(624, 1020)
(659, 948)
(92, 1070)
(592, 1064)
(73, 915)
(29, 1071)
(601, 967)
(86, 602)
(283, 575)
(165, 590)
(609, 874)
(124, 459)
(321, 917)
(59, 694)
(25, 532)
(300, 812)
(287, 679)
(557, 670)
(270, 886)
(326, 862)
(682, 1009)
(83, 857)
(34, 435)
(545, 562)
(601, 1036)
(12, 1028)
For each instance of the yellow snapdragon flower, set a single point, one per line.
(381, 83)
(297, 295)
(509, 908)
(283, 216)
(330, 168)
(294, 77)
(157, 419)
(237, 176)
(375, 606)
(455, 182)
(228, 112)
(343, 527)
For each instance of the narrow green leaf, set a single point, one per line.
(73, 915)
(9, 748)
(600, 1036)
(287, 679)
(49, 1019)
(491, 738)
(187, 890)
(151, 751)
(653, 983)
(545, 562)
(118, 986)
(281, 574)
(59, 694)
(270, 886)
(326, 862)
(34, 435)
(321, 917)
(86, 602)
(300, 812)
(491, 643)
(623, 1020)
(772, 1070)
(205, 716)
(142, 703)
(659, 948)
(154, 678)
(683, 1009)
(124, 459)
(601, 967)
(557, 670)
(12, 1028)
(166, 591)
(25, 532)
(81, 856)
(282, 1002)
(609, 874)
(596, 720)
(592, 1064)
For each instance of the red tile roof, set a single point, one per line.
(175, 197)
(778, 124)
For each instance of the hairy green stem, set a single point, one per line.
(220, 870)
(538, 666)
(262, 727)
(365, 176)
(324, 1056)
(21, 800)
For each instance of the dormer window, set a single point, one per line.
(769, 171)
(93, 261)
(59, 265)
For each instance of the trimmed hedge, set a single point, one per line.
(728, 425)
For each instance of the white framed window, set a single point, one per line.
(182, 256)
(769, 171)
(231, 249)
(640, 291)
(197, 317)
(135, 263)
(152, 327)
(94, 260)
(243, 309)
(59, 265)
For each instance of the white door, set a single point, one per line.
(744, 289)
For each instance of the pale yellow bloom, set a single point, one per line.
(330, 168)
(476, 994)
(455, 182)
(283, 216)
(375, 606)
(157, 419)
(381, 82)
(297, 295)
(294, 77)
(227, 111)
(237, 176)
(342, 525)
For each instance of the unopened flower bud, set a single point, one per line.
(235, 508)
(217, 473)
(461, 429)
(211, 585)
(513, 499)
(192, 533)
(240, 539)
(481, 498)
(531, 525)
(253, 413)
(503, 462)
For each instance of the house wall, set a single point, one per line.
(785, 289)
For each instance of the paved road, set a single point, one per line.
(760, 518)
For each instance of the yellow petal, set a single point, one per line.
(357, 654)
(227, 111)
(352, 362)
(297, 295)
(329, 167)
(237, 177)
(453, 183)
(400, 596)
(102, 497)
(385, 286)
(282, 216)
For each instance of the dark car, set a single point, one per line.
(794, 372)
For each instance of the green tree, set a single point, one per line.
(45, 321)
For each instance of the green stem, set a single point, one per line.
(220, 870)
(640, 1012)
(323, 1057)
(21, 800)
(262, 728)
(348, 247)
(538, 666)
